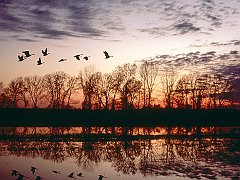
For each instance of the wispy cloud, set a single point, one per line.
(49, 19)
(185, 27)
(234, 42)
(58, 19)
(231, 42)
(197, 61)
(226, 64)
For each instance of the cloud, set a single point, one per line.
(226, 65)
(215, 21)
(231, 70)
(186, 27)
(233, 52)
(101, 19)
(231, 42)
(8, 21)
(26, 40)
(156, 31)
(197, 61)
(49, 19)
(234, 42)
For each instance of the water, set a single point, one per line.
(121, 152)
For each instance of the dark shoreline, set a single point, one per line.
(147, 118)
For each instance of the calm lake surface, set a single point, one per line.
(120, 152)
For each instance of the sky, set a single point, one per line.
(196, 35)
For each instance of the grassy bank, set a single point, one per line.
(154, 117)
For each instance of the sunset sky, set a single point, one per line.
(130, 30)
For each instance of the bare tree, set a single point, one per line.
(5, 102)
(191, 90)
(34, 87)
(87, 81)
(131, 89)
(1, 87)
(148, 73)
(185, 93)
(127, 84)
(117, 78)
(103, 89)
(71, 88)
(219, 90)
(16, 91)
(168, 84)
(59, 87)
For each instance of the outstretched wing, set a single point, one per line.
(26, 53)
(39, 62)
(106, 54)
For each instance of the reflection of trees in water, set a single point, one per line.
(48, 150)
(152, 131)
(158, 156)
(87, 155)
(123, 155)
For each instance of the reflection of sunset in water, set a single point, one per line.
(131, 153)
(134, 131)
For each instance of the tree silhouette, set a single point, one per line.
(168, 86)
(104, 88)
(129, 85)
(219, 90)
(59, 88)
(16, 92)
(88, 80)
(34, 87)
(148, 73)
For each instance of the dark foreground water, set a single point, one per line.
(120, 152)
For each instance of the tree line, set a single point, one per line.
(127, 87)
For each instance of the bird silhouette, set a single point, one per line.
(14, 173)
(56, 172)
(20, 58)
(86, 57)
(45, 53)
(61, 60)
(27, 53)
(71, 175)
(20, 177)
(101, 177)
(80, 175)
(106, 55)
(39, 62)
(78, 56)
(33, 169)
(39, 178)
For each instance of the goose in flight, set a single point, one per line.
(101, 177)
(78, 56)
(20, 177)
(61, 60)
(14, 173)
(39, 178)
(27, 53)
(45, 53)
(86, 57)
(39, 62)
(33, 169)
(80, 175)
(56, 172)
(106, 55)
(20, 58)
(71, 175)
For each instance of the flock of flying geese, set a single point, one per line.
(33, 170)
(45, 53)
